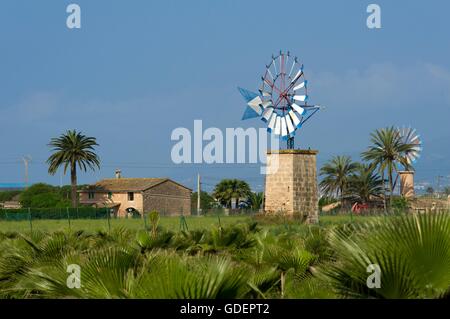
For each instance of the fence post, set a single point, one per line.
(68, 216)
(108, 216)
(29, 217)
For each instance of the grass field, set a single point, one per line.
(168, 223)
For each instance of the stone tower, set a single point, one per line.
(407, 184)
(291, 187)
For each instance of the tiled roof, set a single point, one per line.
(127, 184)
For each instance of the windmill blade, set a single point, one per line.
(266, 104)
(298, 75)
(300, 110)
(277, 129)
(274, 63)
(292, 68)
(284, 131)
(301, 98)
(409, 136)
(267, 114)
(247, 95)
(294, 118)
(272, 122)
(300, 86)
(290, 126)
(255, 105)
(250, 113)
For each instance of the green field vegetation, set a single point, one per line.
(242, 257)
(168, 223)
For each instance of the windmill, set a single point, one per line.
(409, 135)
(282, 101)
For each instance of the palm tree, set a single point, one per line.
(365, 184)
(256, 200)
(72, 149)
(336, 174)
(386, 152)
(228, 189)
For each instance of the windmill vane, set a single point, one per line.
(282, 101)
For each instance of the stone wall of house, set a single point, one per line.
(292, 188)
(101, 198)
(168, 198)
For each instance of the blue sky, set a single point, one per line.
(138, 69)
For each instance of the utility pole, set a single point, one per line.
(438, 184)
(198, 195)
(26, 160)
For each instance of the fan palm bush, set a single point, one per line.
(413, 253)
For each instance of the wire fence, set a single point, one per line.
(96, 218)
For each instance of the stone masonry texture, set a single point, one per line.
(292, 189)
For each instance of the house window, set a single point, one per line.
(91, 195)
(109, 195)
(130, 196)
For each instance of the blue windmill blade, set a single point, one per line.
(250, 113)
(309, 112)
(247, 95)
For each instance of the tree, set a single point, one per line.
(43, 196)
(256, 200)
(386, 152)
(364, 184)
(430, 190)
(231, 188)
(336, 173)
(206, 201)
(72, 149)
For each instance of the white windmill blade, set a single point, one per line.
(294, 118)
(301, 98)
(292, 67)
(267, 114)
(284, 131)
(279, 61)
(298, 75)
(272, 122)
(290, 126)
(300, 110)
(255, 102)
(274, 63)
(300, 86)
(270, 73)
(277, 129)
(255, 105)
(266, 104)
(265, 93)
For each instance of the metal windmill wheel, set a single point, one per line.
(282, 101)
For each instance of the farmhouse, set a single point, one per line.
(126, 196)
